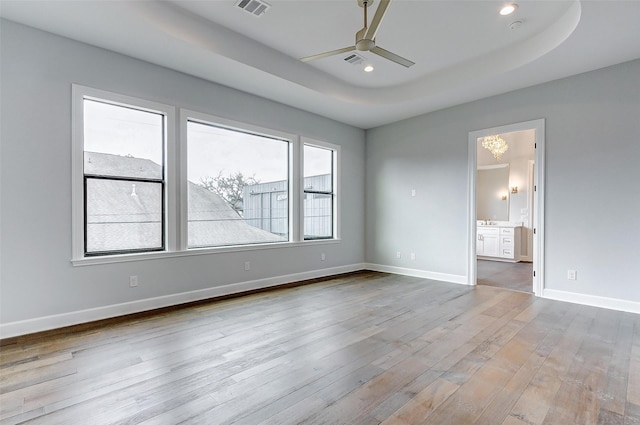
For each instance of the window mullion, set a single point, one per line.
(297, 186)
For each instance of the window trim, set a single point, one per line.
(187, 115)
(78, 224)
(336, 204)
(175, 181)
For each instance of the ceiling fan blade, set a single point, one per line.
(327, 54)
(392, 56)
(377, 19)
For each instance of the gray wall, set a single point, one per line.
(37, 278)
(592, 194)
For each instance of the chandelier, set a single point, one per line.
(496, 145)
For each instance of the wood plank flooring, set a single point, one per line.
(501, 274)
(362, 348)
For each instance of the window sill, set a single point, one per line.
(145, 256)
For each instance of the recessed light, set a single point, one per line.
(508, 9)
(368, 68)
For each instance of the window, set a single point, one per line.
(238, 186)
(138, 192)
(120, 182)
(123, 178)
(319, 194)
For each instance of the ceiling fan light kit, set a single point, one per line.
(366, 37)
(508, 9)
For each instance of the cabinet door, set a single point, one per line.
(479, 244)
(490, 245)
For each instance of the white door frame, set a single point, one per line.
(538, 196)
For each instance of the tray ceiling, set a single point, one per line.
(463, 50)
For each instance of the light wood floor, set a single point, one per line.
(365, 348)
(514, 276)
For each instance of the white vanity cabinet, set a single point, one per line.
(500, 243)
(487, 242)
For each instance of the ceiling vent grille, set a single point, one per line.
(354, 59)
(255, 7)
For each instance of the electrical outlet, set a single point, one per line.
(413, 192)
(247, 265)
(413, 256)
(572, 275)
(398, 255)
(133, 281)
(322, 257)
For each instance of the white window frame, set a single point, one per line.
(175, 192)
(79, 94)
(294, 169)
(336, 188)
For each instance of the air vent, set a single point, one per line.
(354, 59)
(255, 7)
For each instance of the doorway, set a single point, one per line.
(506, 226)
(507, 275)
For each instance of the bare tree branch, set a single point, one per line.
(229, 188)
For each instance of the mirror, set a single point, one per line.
(493, 192)
(509, 176)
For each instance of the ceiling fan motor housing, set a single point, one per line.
(365, 45)
(362, 43)
(366, 37)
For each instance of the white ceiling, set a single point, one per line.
(463, 50)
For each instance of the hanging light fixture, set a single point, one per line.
(496, 145)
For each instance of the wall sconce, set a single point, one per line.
(504, 197)
(514, 189)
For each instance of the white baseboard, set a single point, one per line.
(24, 327)
(592, 300)
(39, 324)
(444, 277)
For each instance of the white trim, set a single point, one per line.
(296, 206)
(337, 173)
(78, 94)
(176, 243)
(77, 172)
(538, 207)
(472, 208)
(122, 258)
(529, 224)
(243, 127)
(443, 277)
(293, 140)
(39, 324)
(592, 300)
(171, 170)
(182, 184)
(538, 211)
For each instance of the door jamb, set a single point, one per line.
(538, 195)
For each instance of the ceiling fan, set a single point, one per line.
(366, 37)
